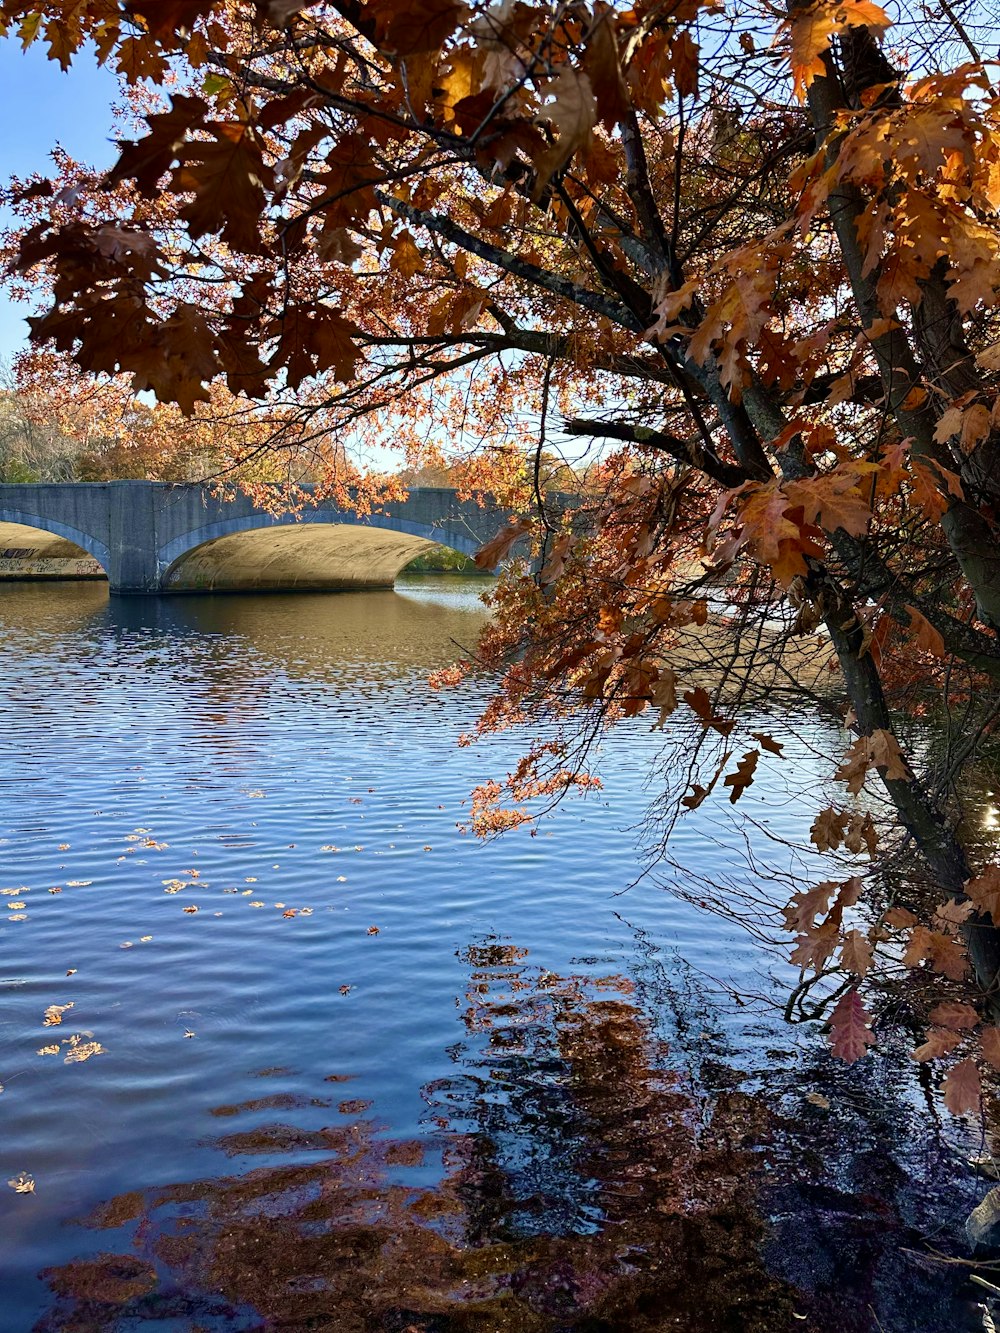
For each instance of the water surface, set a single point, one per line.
(385, 1076)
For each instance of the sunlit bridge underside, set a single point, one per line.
(30, 554)
(324, 557)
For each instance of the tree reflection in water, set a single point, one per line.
(582, 1189)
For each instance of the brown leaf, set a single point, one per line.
(743, 776)
(962, 1089)
(938, 1042)
(856, 955)
(984, 891)
(498, 547)
(989, 1044)
(954, 1014)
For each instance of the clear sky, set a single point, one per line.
(39, 107)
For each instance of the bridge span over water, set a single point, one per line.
(156, 537)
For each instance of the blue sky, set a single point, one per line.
(39, 107)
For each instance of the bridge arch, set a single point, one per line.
(315, 551)
(13, 520)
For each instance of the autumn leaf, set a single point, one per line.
(499, 547)
(54, 1013)
(856, 954)
(984, 891)
(572, 112)
(962, 1089)
(22, 1183)
(989, 1044)
(743, 776)
(850, 1035)
(954, 1014)
(938, 1042)
(228, 180)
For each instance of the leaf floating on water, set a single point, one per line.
(345, 990)
(56, 890)
(428, 849)
(279, 906)
(341, 879)
(22, 1183)
(291, 912)
(372, 930)
(250, 879)
(14, 893)
(54, 1013)
(305, 911)
(63, 847)
(190, 908)
(128, 943)
(144, 939)
(329, 848)
(16, 907)
(79, 1050)
(70, 972)
(48, 1050)
(257, 903)
(818, 1099)
(18, 916)
(188, 1032)
(255, 794)
(78, 883)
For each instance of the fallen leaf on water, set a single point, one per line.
(358, 847)
(71, 971)
(279, 905)
(1, 1089)
(230, 890)
(193, 874)
(54, 1013)
(372, 930)
(345, 990)
(329, 848)
(250, 879)
(188, 1032)
(22, 1183)
(341, 879)
(12, 893)
(55, 890)
(291, 912)
(17, 907)
(18, 916)
(78, 1050)
(257, 903)
(818, 1099)
(128, 943)
(305, 911)
(48, 1050)
(78, 883)
(428, 849)
(63, 847)
(144, 939)
(190, 908)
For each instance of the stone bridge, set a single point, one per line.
(155, 537)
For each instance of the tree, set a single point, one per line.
(744, 250)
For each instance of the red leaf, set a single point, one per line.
(849, 1032)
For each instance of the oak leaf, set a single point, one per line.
(743, 776)
(989, 1044)
(984, 891)
(499, 547)
(850, 1035)
(856, 954)
(938, 1042)
(962, 1089)
(954, 1014)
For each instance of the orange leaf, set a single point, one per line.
(856, 955)
(938, 1042)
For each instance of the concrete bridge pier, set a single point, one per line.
(132, 539)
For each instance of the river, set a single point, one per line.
(317, 1058)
